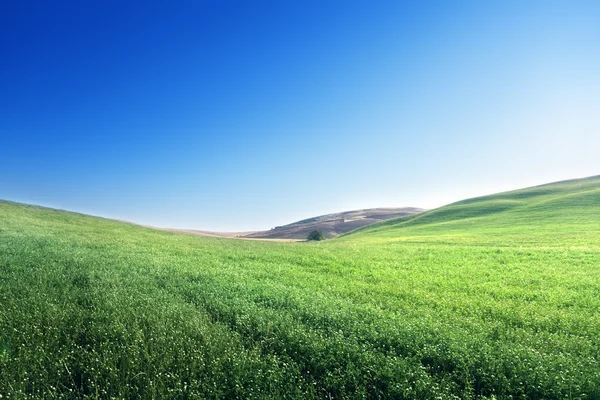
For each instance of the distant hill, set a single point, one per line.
(333, 225)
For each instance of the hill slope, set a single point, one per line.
(333, 225)
(495, 297)
(560, 213)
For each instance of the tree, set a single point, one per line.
(316, 235)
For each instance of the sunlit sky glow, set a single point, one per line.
(238, 116)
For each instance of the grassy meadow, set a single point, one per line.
(494, 297)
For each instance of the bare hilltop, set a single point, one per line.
(333, 225)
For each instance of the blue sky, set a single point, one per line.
(235, 116)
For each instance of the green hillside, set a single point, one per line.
(557, 214)
(494, 297)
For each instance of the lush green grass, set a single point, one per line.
(490, 297)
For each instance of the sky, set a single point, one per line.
(236, 116)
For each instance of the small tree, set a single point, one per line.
(316, 235)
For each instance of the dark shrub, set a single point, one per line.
(316, 235)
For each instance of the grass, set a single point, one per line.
(495, 297)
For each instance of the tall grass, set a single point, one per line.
(489, 304)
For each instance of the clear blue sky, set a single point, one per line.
(237, 116)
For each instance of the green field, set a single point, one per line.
(494, 297)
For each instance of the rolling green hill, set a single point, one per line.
(494, 297)
(556, 214)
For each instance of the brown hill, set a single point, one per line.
(333, 225)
